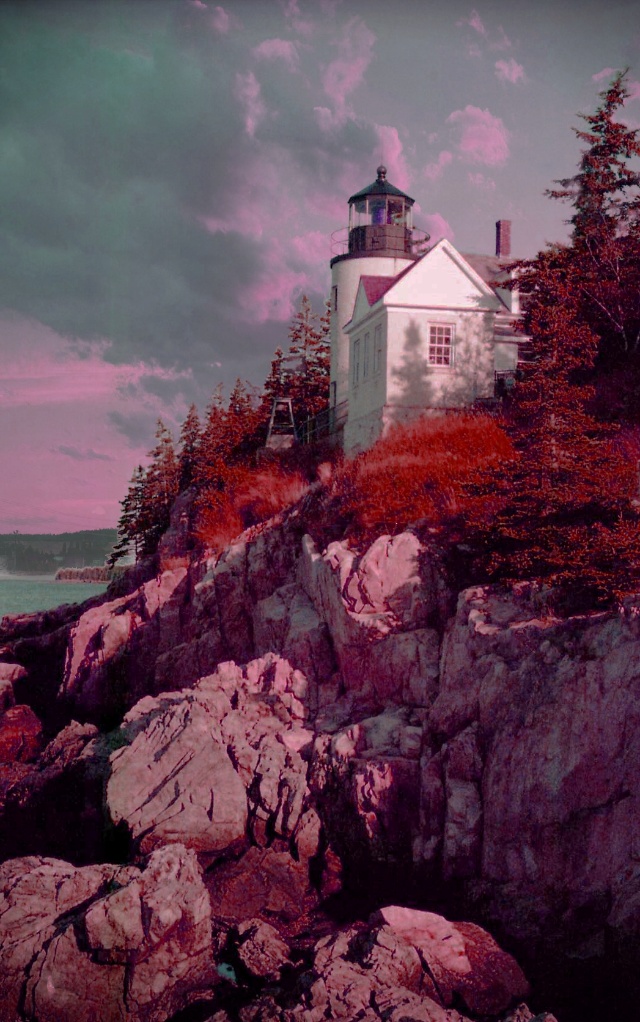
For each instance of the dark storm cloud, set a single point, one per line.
(113, 145)
(138, 427)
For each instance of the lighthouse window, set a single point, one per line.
(356, 362)
(440, 345)
(334, 297)
(365, 360)
(378, 211)
(377, 348)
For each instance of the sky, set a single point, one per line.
(171, 173)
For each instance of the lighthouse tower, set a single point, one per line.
(380, 245)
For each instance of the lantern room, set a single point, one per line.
(380, 219)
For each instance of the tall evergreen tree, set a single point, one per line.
(130, 537)
(190, 435)
(303, 373)
(605, 242)
(159, 490)
(562, 510)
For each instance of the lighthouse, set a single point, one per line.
(380, 244)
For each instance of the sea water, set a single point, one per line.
(24, 594)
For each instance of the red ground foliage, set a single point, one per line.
(417, 471)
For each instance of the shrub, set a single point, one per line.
(251, 496)
(418, 471)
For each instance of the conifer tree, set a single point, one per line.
(605, 243)
(129, 524)
(159, 490)
(189, 444)
(309, 355)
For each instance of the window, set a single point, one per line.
(334, 297)
(377, 348)
(334, 393)
(440, 345)
(365, 359)
(356, 362)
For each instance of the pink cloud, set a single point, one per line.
(247, 91)
(56, 424)
(433, 171)
(344, 74)
(475, 22)
(390, 152)
(291, 262)
(278, 49)
(498, 41)
(293, 15)
(606, 72)
(438, 227)
(483, 137)
(272, 296)
(220, 20)
(486, 184)
(313, 247)
(509, 71)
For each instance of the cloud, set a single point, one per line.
(220, 20)
(67, 414)
(294, 18)
(343, 75)
(478, 180)
(475, 22)
(390, 152)
(483, 137)
(509, 71)
(495, 41)
(248, 92)
(78, 455)
(433, 171)
(607, 72)
(278, 49)
(438, 227)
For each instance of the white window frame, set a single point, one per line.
(377, 349)
(365, 357)
(441, 348)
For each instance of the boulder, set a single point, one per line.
(103, 942)
(463, 960)
(261, 949)
(21, 738)
(212, 765)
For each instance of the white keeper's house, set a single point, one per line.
(413, 327)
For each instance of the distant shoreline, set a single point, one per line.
(91, 573)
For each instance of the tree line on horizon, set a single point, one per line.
(549, 490)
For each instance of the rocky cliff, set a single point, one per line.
(300, 758)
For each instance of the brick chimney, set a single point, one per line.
(503, 238)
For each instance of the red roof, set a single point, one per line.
(376, 287)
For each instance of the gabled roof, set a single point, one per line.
(486, 266)
(376, 287)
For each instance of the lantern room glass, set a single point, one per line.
(380, 209)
